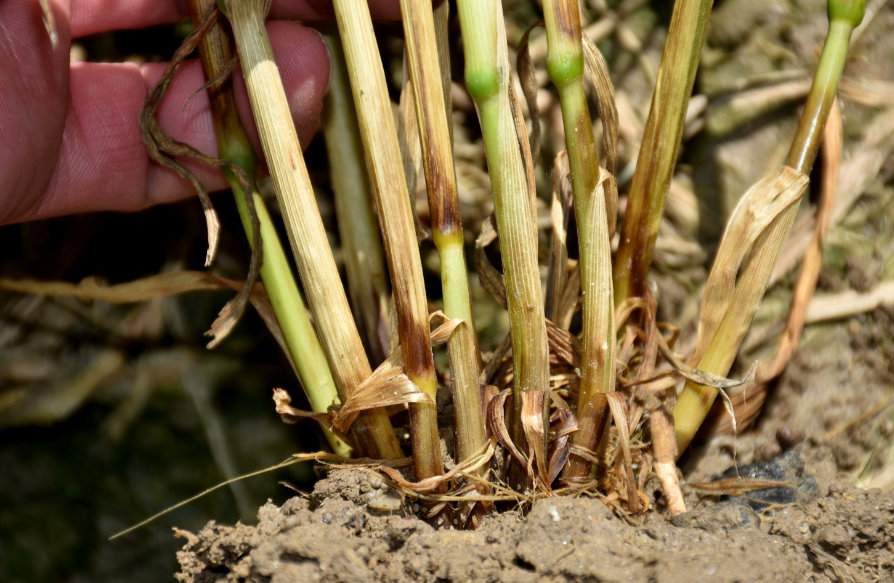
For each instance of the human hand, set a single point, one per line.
(71, 140)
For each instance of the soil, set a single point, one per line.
(340, 533)
(355, 527)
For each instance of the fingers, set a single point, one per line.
(322, 9)
(93, 16)
(32, 104)
(103, 164)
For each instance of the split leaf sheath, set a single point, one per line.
(718, 346)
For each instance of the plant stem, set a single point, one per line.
(487, 80)
(377, 128)
(301, 340)
(565, 63)
(357, 227)
(442, 35)
(660, 146)
(446, 222)
(695, 401)
(310, 245)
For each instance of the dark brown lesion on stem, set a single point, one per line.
(568, 18)
(444, 207)
(660, 145)
(443, 199)
(638, 241)
(417, 353)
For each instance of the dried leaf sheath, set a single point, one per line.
(310, 245)
(487, 80)
(446, 222)
(377, 128)
(719, 349)
(734, 289)
(748, 401)
(757, 210)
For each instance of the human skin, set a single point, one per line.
(69, 132)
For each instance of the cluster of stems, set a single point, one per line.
(376, 167)
(379, 135)
(310, 245)
(696, 400)
(304, 348)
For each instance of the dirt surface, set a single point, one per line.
(354, 527)
(347, 531)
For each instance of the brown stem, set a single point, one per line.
(377, 128)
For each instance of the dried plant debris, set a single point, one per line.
(164, 151)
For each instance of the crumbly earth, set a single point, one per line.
(822, 431)
(353, 529)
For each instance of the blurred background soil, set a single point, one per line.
(110, 413)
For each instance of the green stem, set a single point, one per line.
(566, 66)
(462, 347)
(808, 137)
(487, 80)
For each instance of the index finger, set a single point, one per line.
(94, 16)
